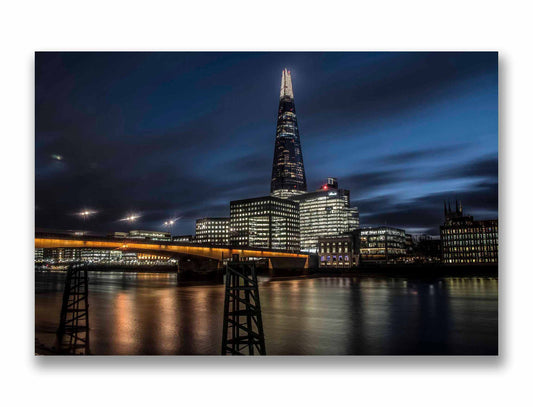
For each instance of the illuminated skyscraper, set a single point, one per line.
(325, 212)
(266, 221)
(288, 174)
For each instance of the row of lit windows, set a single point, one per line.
(339, 250)
(458, 261)
(480, 231)
(463, 247)
(479, 236)
(328, 258)
(469, 255)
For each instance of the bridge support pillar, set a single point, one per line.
(199, 269)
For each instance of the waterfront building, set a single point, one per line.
(183, 238)
(119, 235)
(409, 244)
(337, 251)
(426, 249)
(149, 235)
(212, 231)
(69, 255)
(325, 212)
(288, 174)
(267, 222)
(468, 241)
(101, 256)
(39, 255)
(381, 244)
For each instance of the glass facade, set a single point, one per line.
(325, 212)
(267, 222)
(183, 238)
(381, 244)
(100, 256)
(149, 235)
(467, 241)
(288, 174)
(212, 231)
(67, 255)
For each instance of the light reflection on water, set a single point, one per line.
(147, 313)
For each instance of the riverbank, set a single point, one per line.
(420, 271)
(412, 270)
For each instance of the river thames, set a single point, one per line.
(149, 314)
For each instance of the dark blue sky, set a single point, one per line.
(179, 135)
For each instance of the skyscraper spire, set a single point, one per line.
(286, 85)
(288, 174)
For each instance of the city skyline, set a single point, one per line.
(180, 135)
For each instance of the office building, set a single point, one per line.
(69, 255)
(337, 251)
(325, 212)
(267, 222)
(183, 238)
(288, 174)
(467, 241)
(381, 244)
(149, 235)
(212, 231)
(118, 235)
(38, 254)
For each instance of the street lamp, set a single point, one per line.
(130, 218)
(169, 224)
(84, 214)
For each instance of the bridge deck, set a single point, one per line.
(44, 241)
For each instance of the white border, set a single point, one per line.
(274, 25)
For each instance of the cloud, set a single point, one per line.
(184, 134)
(423, 154)
(426, 212)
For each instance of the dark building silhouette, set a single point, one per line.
(426, 250)
(288, 174)
(467, 241)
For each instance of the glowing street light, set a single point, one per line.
(86, 213)
(130, 218)
(169, 224)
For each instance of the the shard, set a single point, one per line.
(288, 174)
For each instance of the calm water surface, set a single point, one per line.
(148, 314)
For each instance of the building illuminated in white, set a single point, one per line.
(267, 221)
(382, 244)
(325, 212)
(213, 231)
(149, 235)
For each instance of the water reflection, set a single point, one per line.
(147, 313)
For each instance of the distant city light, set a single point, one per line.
(170, 222)
(86, 213)
(130, 218)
